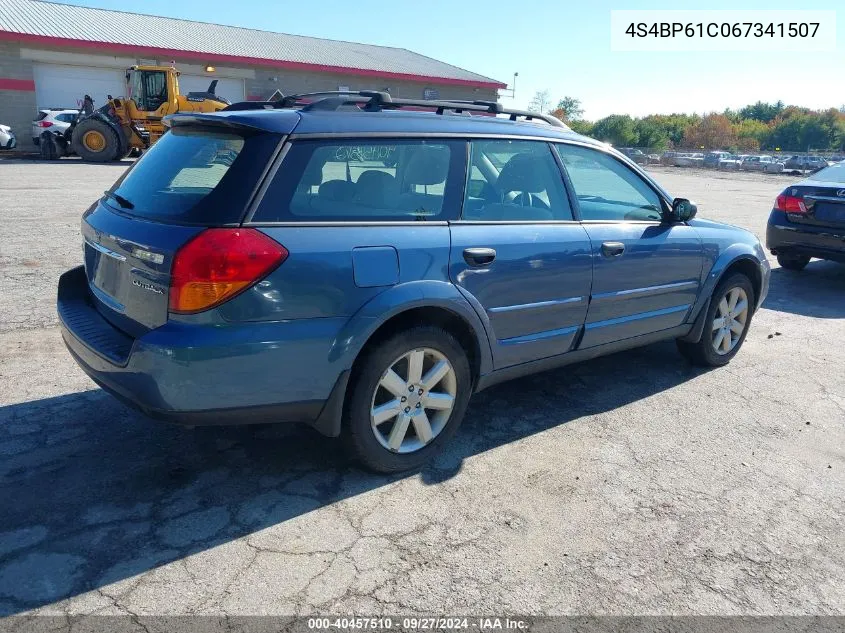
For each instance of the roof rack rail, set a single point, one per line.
(376, 101)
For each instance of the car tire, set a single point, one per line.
(712, 350)
(47, 147)
(102, 135)
(793, 262)
(399, 443)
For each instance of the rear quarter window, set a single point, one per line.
(196, 175)
(366, 180)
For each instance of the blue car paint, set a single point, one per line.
(293, 338)
(724, 246)
(527, 320)
(649, 287)
(375, 266)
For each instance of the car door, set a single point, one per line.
(646, 271)
(518, 254)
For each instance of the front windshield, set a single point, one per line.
(834, 173)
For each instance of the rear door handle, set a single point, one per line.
(479, 256)
(612, 249)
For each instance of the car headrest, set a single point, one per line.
(376, 188)
(427, 166)
(340, 190)
(526, 173)
(313, 174)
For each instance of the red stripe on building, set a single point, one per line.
(26, 85)
(239, 59)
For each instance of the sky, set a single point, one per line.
(558, 46)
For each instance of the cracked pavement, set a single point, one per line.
(632, 484)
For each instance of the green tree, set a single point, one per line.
(673, 125)
(765, 112)
(751, 134)
(582, 127)
(616, 129)
(568, 109)
(650, 135)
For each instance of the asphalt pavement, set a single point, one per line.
(632, 484)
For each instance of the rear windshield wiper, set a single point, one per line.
(123, 202)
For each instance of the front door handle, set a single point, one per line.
(612, 249)
(479, 256)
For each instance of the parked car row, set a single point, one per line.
(639, 157)
(747, 162)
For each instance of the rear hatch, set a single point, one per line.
(824, 199)
(199, 175)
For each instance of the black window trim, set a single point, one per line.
(289, 141)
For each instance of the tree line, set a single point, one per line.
(760, 126)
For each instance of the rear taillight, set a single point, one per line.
(790, 204)
(44, 123)
(218, 264)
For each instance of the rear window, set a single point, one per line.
(366, 180)
(834, 173)
(195, 176)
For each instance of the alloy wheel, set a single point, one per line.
(413, 400)
(730, 319)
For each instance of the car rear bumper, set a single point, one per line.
(785, 237)
(208, 374)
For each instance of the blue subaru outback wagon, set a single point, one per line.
(355, 263)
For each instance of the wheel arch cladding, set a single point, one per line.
(736, 258)
(415, 303)
(751, 269)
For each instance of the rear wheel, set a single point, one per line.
(95, 140)
(47, 147)
(726, 324)
(793, 262)
(407, 399)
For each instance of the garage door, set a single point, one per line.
(232, 89)
(58, 86)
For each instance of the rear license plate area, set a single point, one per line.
(829, 212)
(104, 270)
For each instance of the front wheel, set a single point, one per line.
(793, 262)
(407, 398)
(726, 324)
(96, 141)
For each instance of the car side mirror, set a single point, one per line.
(683, 210)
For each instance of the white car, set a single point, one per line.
(7, 138)
(56, 120)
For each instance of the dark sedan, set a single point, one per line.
(809, 220)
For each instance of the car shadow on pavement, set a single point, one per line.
(816, 291)
(94, 493)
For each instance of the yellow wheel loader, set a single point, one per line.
(132, 124)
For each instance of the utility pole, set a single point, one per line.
(511, 92)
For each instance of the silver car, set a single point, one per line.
(777, 166)
(7, 138)
(756, 163)
(55, 120)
